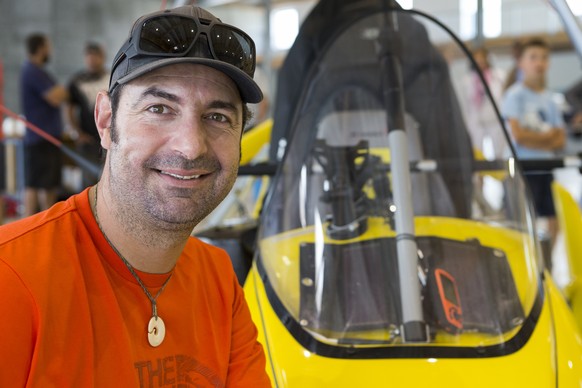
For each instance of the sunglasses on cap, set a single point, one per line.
(175, 36)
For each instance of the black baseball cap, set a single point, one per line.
(187, 34)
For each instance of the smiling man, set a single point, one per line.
(108, 288)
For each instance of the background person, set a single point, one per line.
(515, 74)
(536, 124)
(41, 98)
(83, 89)
(482, 120)
(487, 135)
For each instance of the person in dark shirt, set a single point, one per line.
(41, 101)
(83, 90)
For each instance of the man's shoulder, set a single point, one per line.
(30, 70)
(515, 90)
(35, 80)
(45, 243)
(39, 224)
(27, 73)
(27, 67)
(207, 257)
(513, 96)
(205, 250)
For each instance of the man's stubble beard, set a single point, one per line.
(141, 210)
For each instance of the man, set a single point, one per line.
(108, 289)
(83, 90)
(536, 124)
(41, 101)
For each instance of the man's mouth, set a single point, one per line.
(182, 177)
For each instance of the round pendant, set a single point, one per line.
(156, 331)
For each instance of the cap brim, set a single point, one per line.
(249, 90)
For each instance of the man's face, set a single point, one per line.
(95, 61)
(175, 150)
(534, 63)
(45, 51)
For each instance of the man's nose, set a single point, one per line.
(191, 139)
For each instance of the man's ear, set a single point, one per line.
(103, 116)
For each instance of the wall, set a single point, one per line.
(69, 24)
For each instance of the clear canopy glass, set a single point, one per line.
(386, 226)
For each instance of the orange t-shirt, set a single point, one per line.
(72, 315)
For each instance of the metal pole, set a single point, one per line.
(413, 329)
(10, 166)
(571, 24)
(479, 34)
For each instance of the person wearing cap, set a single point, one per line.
(108, 288)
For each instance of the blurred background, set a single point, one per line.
(496, 25)
(273, 24)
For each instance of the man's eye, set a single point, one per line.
(218, 117)
(159, 109)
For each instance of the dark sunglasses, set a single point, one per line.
(175, 36)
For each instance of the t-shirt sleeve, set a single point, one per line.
(510, 105)
(17, 329)
(247, 358)
(38, 81)
(75, 95)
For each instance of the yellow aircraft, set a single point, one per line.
(570, 221)
(372, 266)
